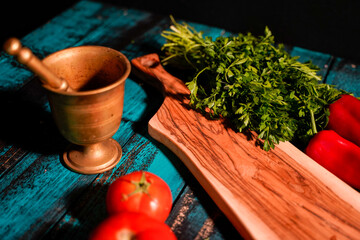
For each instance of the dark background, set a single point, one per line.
(331, 26)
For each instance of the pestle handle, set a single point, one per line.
(25, 56)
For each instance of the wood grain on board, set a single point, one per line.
(41, 199)
(266, 195)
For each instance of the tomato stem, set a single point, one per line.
(142, 186)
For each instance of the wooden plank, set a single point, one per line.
(345, 74)
(53, 36)
(264, 194)
(89, 209)
(9, 157)
(132, 113)
(75, 218)
(152, 41)
(70, 225)
(195, 216)
(133, 49)
(27, 124)
(59, 33)
(46, 40)
(158, 168)
(99, 23)
(322, 60)
(42, 183)
(336, 71)
(63, 182)
(160, 160)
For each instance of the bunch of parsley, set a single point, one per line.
(253, 82)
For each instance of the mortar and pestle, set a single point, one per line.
(85, 87)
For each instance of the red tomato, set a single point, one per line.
(142, 192)
(132, 226)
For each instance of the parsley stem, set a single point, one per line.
(313, 123)
(204, 69)
(253, 82)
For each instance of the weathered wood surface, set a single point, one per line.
(39, 197)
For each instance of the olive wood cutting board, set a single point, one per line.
(280, 194)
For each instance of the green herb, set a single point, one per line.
(253, 82)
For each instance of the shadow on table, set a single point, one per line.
(25, 123)
(86, 209)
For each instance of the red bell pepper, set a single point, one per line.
(337, 155)
(345, 118)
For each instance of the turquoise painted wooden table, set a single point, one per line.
(40, 198)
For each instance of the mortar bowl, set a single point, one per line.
(90, 115)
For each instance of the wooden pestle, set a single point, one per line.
(25, 56)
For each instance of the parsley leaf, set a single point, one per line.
(253, 82)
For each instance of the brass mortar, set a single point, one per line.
(90, 115)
